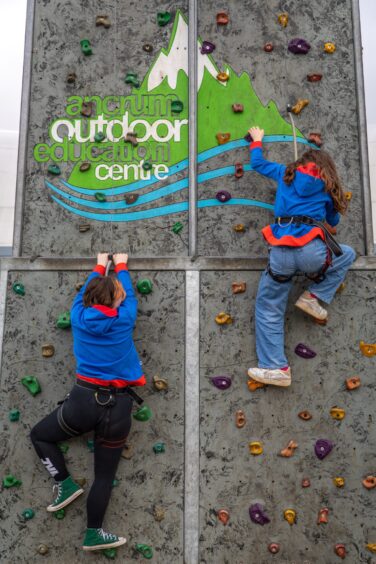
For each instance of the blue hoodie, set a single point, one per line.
(102, 337)
(306, 195)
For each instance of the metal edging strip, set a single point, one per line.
(3, 297)
(192, 121)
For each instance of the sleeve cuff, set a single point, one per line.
(121, 266)
(255, 145)
(100, 269)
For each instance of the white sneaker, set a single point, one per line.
(311, 306)
(276, 377)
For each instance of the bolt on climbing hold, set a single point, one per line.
(221, 382)
(223, 138)
(371, 546)
(14, 415)
(103, 20)
(240, 419)
(290, 516)
(85, 166)
(305, 415)
(258, 515)
(54, 169)
(255, 448)
(143, 413)
(86, 47)
(223, 196)
(163, 18)
(253, 385)
(329, 47)
(207, 47)
(48, 350)
(223, 318)
(144, 286)
(32, 384)
(159, 513)
(314, 77)
(367, 349)
(239, 171)
(299, 46)
(131, 198)
(90, 445)
(59, 514)
(222, 18)
(306, 483)
(177, 106)
(353, 383)
(223, 516)
(299, 106)
(342, 286)
(100, 197)
(323, 516)
(177, 227)
(348, 195)
(99, 137)
(115, 482)
(63, 447)
(223, 76)
(159, 448)
(131, 137)
(71, 78)
(145, 550)
(79, 285)
(132, 78)
(340, 550)
(316, 139)
(109, 553)
(337, 413)
(339, 482)
(304, 351)
(10, 481)
(237, 108)
(289, 451)
(238, 287)
(43, 549)
(147, 165)
(127, 451)
(147, 47)
(369, 482)
(87, 109)
(239, 228)
(18, 289)
(323, 447)
(283, 19)
(28, 514)
(268, 47)
(273, 547)
(63, 321)
(248, 137)
(159, 383)
(80, 481)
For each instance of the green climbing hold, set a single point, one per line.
(163, 18)
(90, 445)
(147, 166)
(143, 413)
(63, 321)
(18, 288)
(63, 447)
(109, 553)
(28, 514)
(32, 384)
(159, 448)
(100, 197)
(115, 482)
(10, 481)
(177, 227)
(54, 169)
(99, 137)
(145, 550)
(132, 78)
(59, 514)
(144, 286)
(86, 47)
(177, 106)
(14, 415)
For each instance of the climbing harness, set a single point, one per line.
(111, 391)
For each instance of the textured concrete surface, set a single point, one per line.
(146, 480)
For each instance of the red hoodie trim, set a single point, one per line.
(120, 266)
(100, 269)
(311, 169)
(256, 145)
(108, 311)
(290, 240)
(117, 383)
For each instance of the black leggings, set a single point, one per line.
(81, 412)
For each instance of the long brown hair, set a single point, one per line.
(328, 174)
(103, 290)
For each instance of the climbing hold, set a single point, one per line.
(348, 196)
(144, 286)
(63, 447)
(100, 197)
(289, 450)
(10, 481)
(83, 227)
(339, 482)
(223, 196)
(255, 448)
(340, 550)
(48, 350)
(304, 351)
(71, 78)
(299, 46)
(131, 137)
(115, 482)
(239, 171)
(59, 514)
(273, 547)
(85, 166)
(177, 106)
(163, 18)
(103, 20)
(18, 289)
(314, 77)
(14, 415)
(159, 513)
(159, 383)
(43, 549)
(353, 383)
(300, 105)
(99, 137)
(238, 287)
(223, 138)
(253, 385)
(239, 228)
(143, 413)
(237, 108)
(223, 516)
(222, 18)
(80, 481)
(240, 419)
(109, 553)
(131, 198)
(371, 547)
(127, 451)
(148, 48)
(145, 550)
(147, 166)
(63, 321)
(223, 76)
(79, 285)
(323, 447)
(323, 516)
(258, 515)
(132, 78)
(290, 516)
(342, 286)
(369, 482)
(87, 109)
(329, 47)
(305, 415)
(159, 448)
(248, 138)
(367, 349)
(32, 384)
(283, 19)
(28, 514)
(207, 47)
(221, 382)
(316, 139)
(268, 47)
(177, 227)
(86, 47)
(223, 318)
(337, 413)
(90, 445)
(306, 483)
(54, 169)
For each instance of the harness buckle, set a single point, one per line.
(110, 400)
(286, 224)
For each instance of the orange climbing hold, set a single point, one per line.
(305, 415)
(239, 228)
(222, 18)
(300, 105)
(367, 349)
(353, 383)
(323, 516)
(223, 516)
(369, 482)
(289, 450)
(223, 76)
(253, 385)
(238, 287)
(240, 419)
(223, 318)
(223, 138)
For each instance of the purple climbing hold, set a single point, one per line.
(207, 47)
(258, 515)
(221, 382)
(299, 46)
(304, 351)
(323, 447)
(248, 138)
(223, 196)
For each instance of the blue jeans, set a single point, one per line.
(272, 296)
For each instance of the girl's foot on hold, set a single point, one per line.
(67, 491)
(274, 377)
(98, 539)
(310, 304)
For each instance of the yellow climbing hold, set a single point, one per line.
(300, 105)
(290, 516)
(367, 349)
(337, 413)
(223, 318)
(339, 482)
(371, 546)
(255, 448)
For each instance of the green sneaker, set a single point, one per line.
(67, 491)
(97, 539)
